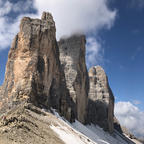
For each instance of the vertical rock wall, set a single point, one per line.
(72, 57)
(101, 99)
(33, 71)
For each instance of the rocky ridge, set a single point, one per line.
(50, 74)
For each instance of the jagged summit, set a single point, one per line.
(92, 70)
(47, 16)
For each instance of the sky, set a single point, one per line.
(115, 40)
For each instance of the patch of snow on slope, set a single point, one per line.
(67, 136)
(97, 134)
(77, 133)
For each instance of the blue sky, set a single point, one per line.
(115, 39)
(124, 51)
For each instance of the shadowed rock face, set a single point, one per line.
(117, 125)
(72, 57)
(33, 71)
(101, 99)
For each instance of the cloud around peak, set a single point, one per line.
(78, 16)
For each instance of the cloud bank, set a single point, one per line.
(131, 117)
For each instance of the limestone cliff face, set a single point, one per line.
(72, 57)
(33, 71)
(101, 99)
(50, 74)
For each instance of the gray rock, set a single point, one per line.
(101, 99)
(72, 57)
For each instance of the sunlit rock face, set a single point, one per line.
(101, 99)
(72, 57)
(33, 71)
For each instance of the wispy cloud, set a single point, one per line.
(78, 16)
(9, 26)
(136, 102)
(137, 4)
(135, 31)
(95, 52)
(137, 52)
(131, 117)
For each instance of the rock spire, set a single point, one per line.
(101, 99)
(33, 71)
(72, 56)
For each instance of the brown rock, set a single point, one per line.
(101, 99)
(72, 57)
(33, 71)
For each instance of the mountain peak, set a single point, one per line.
(42, 73)
(47, 16)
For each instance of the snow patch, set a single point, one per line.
(66, 136)
(77, 133)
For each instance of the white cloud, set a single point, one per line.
(5, 8)
(7, 32)
(94, 54)
(9, 27)
(78, 16)
(136, 102)
(131, 117)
